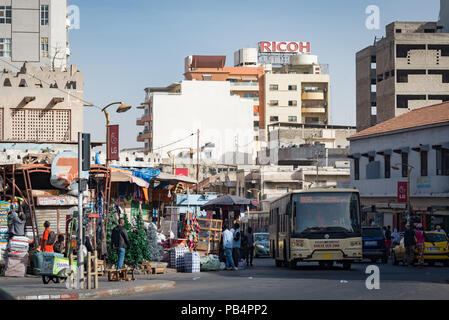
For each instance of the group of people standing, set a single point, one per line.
(237, 245)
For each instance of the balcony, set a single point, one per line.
(245, 86)
(147, 117)
(146, 134)
(314, 109)
(312, 95)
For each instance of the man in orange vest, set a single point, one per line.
(47, 242)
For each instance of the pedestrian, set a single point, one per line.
(250, 247)
(409, 243)
(396, 237)
(236, 244)
(420, 243)
(48, 239)
(16, 222)
(59, 246)
(228, 239)
(120, 242)
(388, 238)
(439, 229)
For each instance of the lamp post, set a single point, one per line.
(122, 108)
(409, 171)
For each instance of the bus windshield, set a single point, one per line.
(327, 212)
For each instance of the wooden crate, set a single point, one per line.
(209, 236)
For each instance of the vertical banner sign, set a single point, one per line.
(113, 151)
(402, 191)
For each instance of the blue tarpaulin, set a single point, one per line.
(146, 174)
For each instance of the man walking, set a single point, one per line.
(48, 239)
(409, 243)
(120, 241)
(227, 245)
(16, 222)
(236, 244)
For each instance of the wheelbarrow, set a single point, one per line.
(54, 267)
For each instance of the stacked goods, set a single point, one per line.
(18, 245)
(16, 260)
(177, 257)
(29, 232)
(4, 208)
(210, 263)
(191, 262)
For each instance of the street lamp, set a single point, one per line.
(122, 108)
(409, 171)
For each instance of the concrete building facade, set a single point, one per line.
(405, 70)
(418, 140)
(175, 113)
(297, 92)
(34, 31)
(41, 105)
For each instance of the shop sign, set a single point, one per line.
(402, 191)
(284, 47)
(182, 172)
(113, 142)
(423, 182)
(58, 201)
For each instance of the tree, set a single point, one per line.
(112, 223)
(154, 248)
(138, 251)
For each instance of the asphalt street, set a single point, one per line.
(307, 281)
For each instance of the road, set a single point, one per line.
(307, 281)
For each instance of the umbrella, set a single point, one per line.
(228, 201)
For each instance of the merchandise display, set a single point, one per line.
(177, 257)
(191, 262)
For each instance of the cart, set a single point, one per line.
(55, 267)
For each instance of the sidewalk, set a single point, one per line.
(32, 288)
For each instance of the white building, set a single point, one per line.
(418, 139)
(175, 113)
(34, 31)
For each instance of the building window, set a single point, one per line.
(356, 169)
(5, 14)
(403, 75)
(292, 103)
(274, 102)
(403, 99)
(207, 77)
(5, 47)
(387, 169)
(404, 157)
(292, 119)
(442, 162)
(292, 87)
(312, 120)
(274, 87)
(274, 118)
(44, 15)
(44, 47)
(398, 30)
(423, 155)
(402, 50)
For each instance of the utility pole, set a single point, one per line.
(80, 258)
(197, 159)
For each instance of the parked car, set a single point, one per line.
(374, 244)
(435, 249)
(261, 244)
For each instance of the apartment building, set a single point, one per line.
(34, 31)
(405, 70)
(246, 79)
(297, 92)
(411, 147)
(174, 114)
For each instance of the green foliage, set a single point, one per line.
(154, 248)
(138, 251)
(112, 223)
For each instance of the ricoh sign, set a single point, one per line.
(267, 47)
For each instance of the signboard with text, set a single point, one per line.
(402, 191)
(113, 142)
(284, 47)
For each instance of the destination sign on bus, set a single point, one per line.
(323, 199)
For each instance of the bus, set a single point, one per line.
(316, 225)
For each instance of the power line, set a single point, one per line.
(192, 134)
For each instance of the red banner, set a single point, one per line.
(182, 172)
(113, 151)
(402, 191)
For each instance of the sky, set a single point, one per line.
(123, 47)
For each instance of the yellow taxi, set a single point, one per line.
(435, 249)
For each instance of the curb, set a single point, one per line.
(102, 294)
